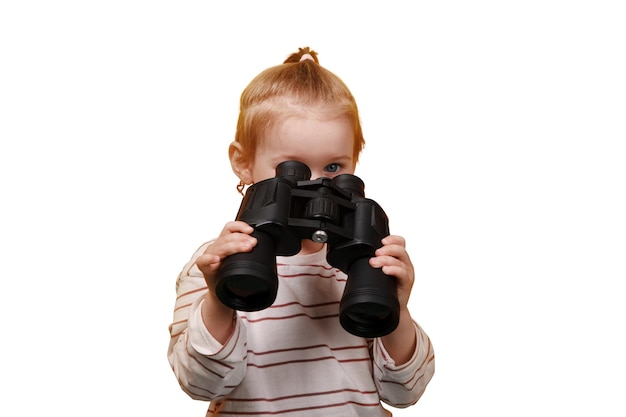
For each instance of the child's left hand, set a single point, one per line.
(394, 260)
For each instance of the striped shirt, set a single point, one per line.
(292, 359)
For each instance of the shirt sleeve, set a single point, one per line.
(402, 385)
(205, 368)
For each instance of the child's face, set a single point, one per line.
(325, 145)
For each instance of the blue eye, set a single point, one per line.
(332, 168)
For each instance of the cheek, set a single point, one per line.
(260, 173)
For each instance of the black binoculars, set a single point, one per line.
(291, 207)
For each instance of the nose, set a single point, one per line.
(317, 175)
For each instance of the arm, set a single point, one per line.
(207, 346)
(402, 385)
(204, 367)
(404, 359)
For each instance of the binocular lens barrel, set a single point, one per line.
(369, 306)
(247, 281)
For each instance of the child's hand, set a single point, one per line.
(394, 260)
(234, 238)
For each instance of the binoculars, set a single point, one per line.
(291, 207)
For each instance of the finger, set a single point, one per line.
(394, 240)
(397, 271)
(392, 265)
(208, 262)
(395, 251)
(385, 260)
(237, 227)
(230, 244)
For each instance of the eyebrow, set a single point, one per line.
(345, 158)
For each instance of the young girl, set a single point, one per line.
(294, 358)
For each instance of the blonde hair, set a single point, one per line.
(299, 83)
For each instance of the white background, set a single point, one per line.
(495, 135)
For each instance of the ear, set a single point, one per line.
(241, 166)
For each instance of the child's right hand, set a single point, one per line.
(234, 238)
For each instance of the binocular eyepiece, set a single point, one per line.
(291, 207)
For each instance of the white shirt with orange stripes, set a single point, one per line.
(292, 359)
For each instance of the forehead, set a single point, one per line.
(291, 113)
(314, 126)
(310, 130)
(307, 137)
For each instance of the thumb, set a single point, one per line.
(208, 263)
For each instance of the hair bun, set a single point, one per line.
(303, 54)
